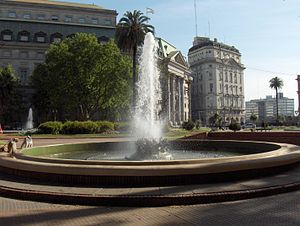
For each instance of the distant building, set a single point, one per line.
(218, 81)
(265, 109)
(176, 84)
(28, 27)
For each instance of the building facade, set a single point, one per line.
(218, 81)
(176, 84)
(265, 109)
(27, 27)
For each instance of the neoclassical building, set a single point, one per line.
(27, 27)
(176, 83)
(218, 81)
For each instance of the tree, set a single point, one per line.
(10, 99)
(81, 77)
(253, 118)
(276, 83)
(215, 120)
(130, 34)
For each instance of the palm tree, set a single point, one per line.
(130, 34)
(276, 83)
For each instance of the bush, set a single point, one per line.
(50, 127)
(188, 125)
(76, 127)
(105, 126)
(122, 126)
(234, 126)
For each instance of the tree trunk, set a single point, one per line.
(134, 78)
(277, 121)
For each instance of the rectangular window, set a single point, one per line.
(55, 18)
(107, 22)
(40, 55)
(211, 87)
(68, 19)
(27, 16)
(23, 76)
(7, 37)
(81, 20)
(24, 54)
(12, 15)
(24, 38)
(7, 53)
(94, 21)
(40, 17)
(40, 39)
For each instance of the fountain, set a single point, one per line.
(29, 122)
(147, 123)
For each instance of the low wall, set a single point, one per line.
(278, 137)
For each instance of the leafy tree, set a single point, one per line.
(253, 118)
(215, 120)
(276, 83)
(10, 98)
(130, 34)
(81, 77)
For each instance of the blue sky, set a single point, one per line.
(267, 33)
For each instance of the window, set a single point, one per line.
(230, 77)
(94, 21)
(23, 75)
(27, 16)
(40, 55)
(56, 37)
(68, 19)
(210, 76)
(6, 35)
(235, 78)
(103, 39)
(23, 36)
(211, 87)
(41, 17)
(55, 18)
(40, 37)
(12, 14)
(81, 20)
(226, 77)
(107, 22)
(7, 53)
(24, 54)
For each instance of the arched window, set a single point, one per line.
(56, 37)
(24, 36)
(6, 35)
(103, 39)
(40, 37)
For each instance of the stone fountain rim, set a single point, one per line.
(287, 154)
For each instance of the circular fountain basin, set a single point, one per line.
(249, 159)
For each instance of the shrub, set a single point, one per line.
(105, 126)
(50, 127)
(234, 126)
(76, 127)
(188, 125)
(122, 126)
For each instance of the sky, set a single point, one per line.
(267, 33)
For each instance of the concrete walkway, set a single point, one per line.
(274, 210)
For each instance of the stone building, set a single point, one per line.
(265, 109)
(218, 81)
(27, 27)
(176, 83)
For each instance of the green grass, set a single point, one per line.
(179, 133)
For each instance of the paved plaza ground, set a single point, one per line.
(283, 209)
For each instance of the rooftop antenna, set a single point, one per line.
(208, 29)
(196, 25)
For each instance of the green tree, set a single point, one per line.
(10, 99)
(130, 34)
(81, 77)
(276, 83)
(215, 120)
(253, 118)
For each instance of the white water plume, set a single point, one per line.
(146, 120)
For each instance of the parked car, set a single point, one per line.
(249, 126)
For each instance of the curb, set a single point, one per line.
(145, 200)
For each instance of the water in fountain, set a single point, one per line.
(29, 122)
(147, 123)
